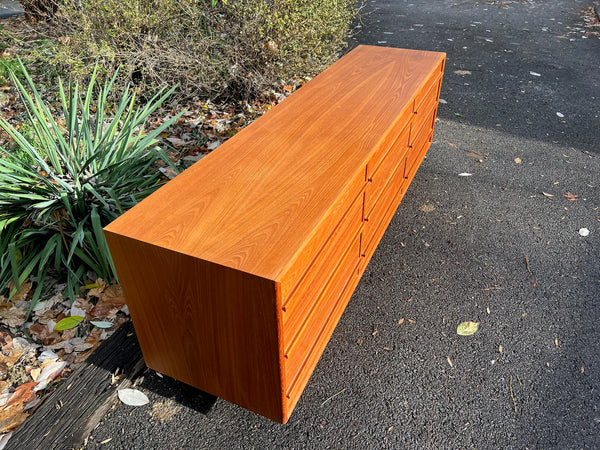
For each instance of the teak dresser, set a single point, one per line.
(237, 271)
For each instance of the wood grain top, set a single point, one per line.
(255, 201)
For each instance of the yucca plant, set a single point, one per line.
(84, 171)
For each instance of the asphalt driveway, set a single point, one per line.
(502, 246)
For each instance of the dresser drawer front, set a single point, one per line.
(430, 102)
(416, 145)
(390, 198)
(381, 154)
(314, 333)
(374, 232)
(306, 293)
(385, 171)
(305, 257)
(430, 89)
(419, 155)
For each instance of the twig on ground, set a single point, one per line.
(333, 396)
(512, 395)
(492, 288)
(527, 264)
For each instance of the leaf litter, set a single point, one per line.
(41, 344)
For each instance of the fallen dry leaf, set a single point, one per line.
(82, 303)
(67, 335)
(571, 197)
(13, 317)
(43, 307)
(177, 142)
(6, 341)
(168, 172)
(427, 207)
(13, 356)
(97, 288)
(467, 328)
(547, 195)
(77, 311)
(23, 394)
(21, 294)
(113, 293)
(35, 373)
(50, 373)
(518, 161)
(83, 347)
(401, 321)
(11, 418)
(41, 333)
(107, 309)
(94, 336)
(132, 397)
(48, 361)
(46, 316)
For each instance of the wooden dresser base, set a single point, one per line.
(238, 270)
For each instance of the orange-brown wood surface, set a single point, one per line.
(237, 271)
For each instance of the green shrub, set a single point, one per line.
(277, 40)
(53, 208)
(7, 66)
(209, 48)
